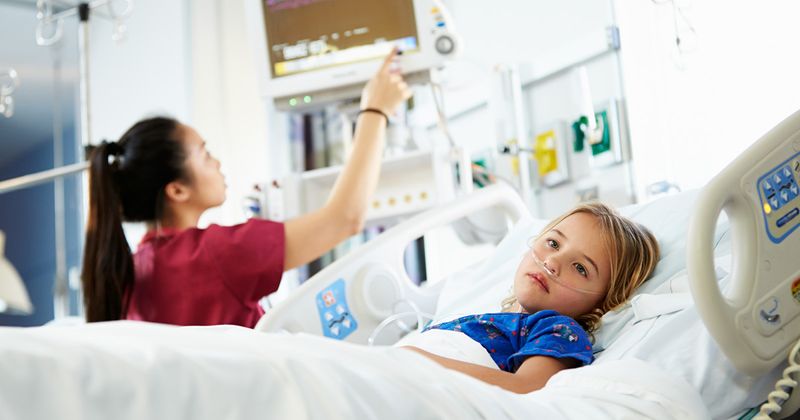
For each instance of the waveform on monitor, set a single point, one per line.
(278, 5)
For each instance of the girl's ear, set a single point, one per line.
(177, 192)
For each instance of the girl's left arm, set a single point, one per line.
(534, 372)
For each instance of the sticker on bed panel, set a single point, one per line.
(796, 289)
(334, 314)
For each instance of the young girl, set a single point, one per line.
(160, 172)
(582, 265)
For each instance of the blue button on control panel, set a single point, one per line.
(786, 218)
(780, 188)
(779, 192)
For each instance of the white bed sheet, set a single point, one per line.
(135, 370)
(658, 361)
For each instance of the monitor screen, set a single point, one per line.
(307, 35)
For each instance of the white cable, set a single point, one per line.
(414, 308)
(421, 316)
(441, 118)
(783, 387)
(390, 319)
(458, 155)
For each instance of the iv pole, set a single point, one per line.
(46, 18)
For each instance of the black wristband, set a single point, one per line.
(375, 110)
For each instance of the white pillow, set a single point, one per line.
(481, 287)
(668, 218)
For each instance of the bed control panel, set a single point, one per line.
(335, 317)
(756, 320)
(779, 191)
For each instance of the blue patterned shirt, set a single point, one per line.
(512, 337)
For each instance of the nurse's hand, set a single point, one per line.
(386, 90)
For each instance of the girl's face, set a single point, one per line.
(207, 184)
(573, 251)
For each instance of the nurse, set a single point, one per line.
(160, 172)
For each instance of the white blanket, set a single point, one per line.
(133, 370)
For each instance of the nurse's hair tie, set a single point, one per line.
(115, 152)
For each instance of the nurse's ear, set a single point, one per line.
(177, 192)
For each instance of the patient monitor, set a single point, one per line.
(758, 319)
(318, 51)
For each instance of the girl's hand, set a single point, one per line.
(386, 90)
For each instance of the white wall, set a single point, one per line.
(227, 109)
(520, 30)
(148, 73)
(690, 116)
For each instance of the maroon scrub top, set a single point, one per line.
(207, 276)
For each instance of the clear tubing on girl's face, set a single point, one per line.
(552, 276)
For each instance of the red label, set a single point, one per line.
(328, 298)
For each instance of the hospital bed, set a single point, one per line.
(721, 311)
(655, 358)
(660, 329)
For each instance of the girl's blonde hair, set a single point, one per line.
(633, 251)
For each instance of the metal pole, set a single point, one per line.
(521, 135)
(61, 307)
(41, 177)
(83, 55)
(86, 117)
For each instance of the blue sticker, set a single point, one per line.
(334, 315)
(779, 189)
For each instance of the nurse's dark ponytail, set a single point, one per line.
(126, 183)
(107, 261)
